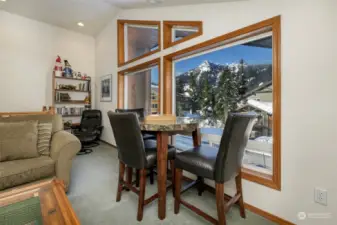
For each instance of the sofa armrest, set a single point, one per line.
(64, 147)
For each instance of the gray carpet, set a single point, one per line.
(93, 197)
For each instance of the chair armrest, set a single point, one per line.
(64, 147)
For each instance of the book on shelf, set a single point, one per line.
(77, 87)
(70, 111)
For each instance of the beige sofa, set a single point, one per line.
(30, 168)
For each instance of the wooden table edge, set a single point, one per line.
(68, 213)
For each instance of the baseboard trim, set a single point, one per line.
(267, 215)
(108, 143)
(251, 208)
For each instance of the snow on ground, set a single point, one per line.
(264, 106)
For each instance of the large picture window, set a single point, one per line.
(233, 78)
(236, 72)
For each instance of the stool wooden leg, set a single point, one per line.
(142, 184)
(120, 181)
(172, 174)
(220, 203)
(128, 176)
(137, 178)
(201, 186)
(178, 176)
(151, 176)
(238, 181)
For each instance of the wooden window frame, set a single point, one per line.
(168, 26)
(274, 24)
(121, 39)
(123, 73)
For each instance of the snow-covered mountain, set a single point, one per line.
(258, 74)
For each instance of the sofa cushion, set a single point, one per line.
(56, 120)
(17, 172)
(18, 140)
(44, 137)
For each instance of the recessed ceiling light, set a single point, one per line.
(155, 1)
(80, 24)
(3, 0)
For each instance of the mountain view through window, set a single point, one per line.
(232, 79)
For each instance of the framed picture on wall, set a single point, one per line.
(106, 88)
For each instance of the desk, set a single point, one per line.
(162, 132)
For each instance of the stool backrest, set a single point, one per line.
(232, 146)
(129, 139)
(139, 112)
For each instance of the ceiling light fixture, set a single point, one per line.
(80, 24)
(3, 0)
(155, 1)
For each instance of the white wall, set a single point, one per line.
(309, 121)
(28, 50)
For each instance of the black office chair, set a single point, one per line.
(89, 131)
(220, 165)
(141, 117)
(133, 152)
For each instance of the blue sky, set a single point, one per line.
(250, 54)
(154, 75)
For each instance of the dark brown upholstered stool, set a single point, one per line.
(220, 165)
(133, 153)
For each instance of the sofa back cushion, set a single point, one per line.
(18, 140)
(56, 120)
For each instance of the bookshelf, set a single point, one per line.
(69, 96)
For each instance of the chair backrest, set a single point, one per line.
(129, 140)
(232, 146)
(91, 120)
(139, 112)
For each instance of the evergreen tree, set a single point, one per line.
(227, 93)
(180, 97)
(206, 96)
(193, 92)
(242, 79)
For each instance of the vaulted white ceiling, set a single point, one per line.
(95, 14)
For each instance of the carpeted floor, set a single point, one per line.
(93, 196)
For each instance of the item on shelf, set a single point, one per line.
(66, 87)
(87, 100)
(67, 125)
(68, 72)
(82, 87)
(74, 74)
(70, 111)
(58, 67)
(62, 97)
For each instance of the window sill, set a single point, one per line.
(261, 178)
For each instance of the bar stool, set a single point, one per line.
(220, 165)
(150, 141)
(133, 153)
